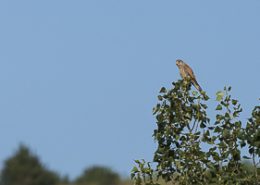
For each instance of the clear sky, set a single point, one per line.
(79, 78)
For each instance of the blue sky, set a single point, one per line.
(79, 78)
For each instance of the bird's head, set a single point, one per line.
(179, 62)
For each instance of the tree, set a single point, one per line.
(97, 175)
(191, 149)
(24, 168)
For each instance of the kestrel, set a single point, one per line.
(186, 72)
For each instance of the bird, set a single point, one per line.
(187, 73)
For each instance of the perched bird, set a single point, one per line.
(186, 72)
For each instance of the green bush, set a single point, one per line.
(98, 175)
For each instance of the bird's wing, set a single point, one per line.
(189, 71)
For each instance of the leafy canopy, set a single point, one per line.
(191, 149)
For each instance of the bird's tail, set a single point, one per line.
(196, 85)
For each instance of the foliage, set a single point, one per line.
(191, 149)
(98, 176)
(24, 168)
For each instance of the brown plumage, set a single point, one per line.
(186, 72)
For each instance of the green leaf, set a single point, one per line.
(195, 93)
(215, 156)
(135, 170)
(219, 117)
(236, 155)
(219, 107)
(220, 95)
(163, 90)
(226, 133)
(242, 144)
(251, 150)
(211, 128)
(217, 129)
(227, 115)
(205, 97)
(206, 133)
(213, 149)
(234, 102)
(204, 106)
(160, 98)
(245, 157)
(238, 124)
(202, 125)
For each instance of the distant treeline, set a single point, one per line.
(25, 168)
